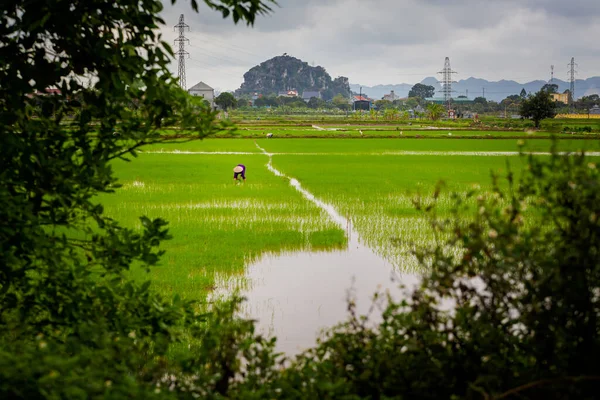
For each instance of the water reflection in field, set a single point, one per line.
(294, 296)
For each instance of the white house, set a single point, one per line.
(391, 96)
(203, 90)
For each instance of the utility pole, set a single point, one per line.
(483, 92)
(447, 81)
(467, 93)
(359, 98)
(572, 73)
(181, 53)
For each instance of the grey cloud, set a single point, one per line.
(285, 16)
(395, 40)
(570, 9)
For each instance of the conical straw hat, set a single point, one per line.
(238, 169)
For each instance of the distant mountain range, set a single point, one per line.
(474, 87)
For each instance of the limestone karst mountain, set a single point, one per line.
(285, 72)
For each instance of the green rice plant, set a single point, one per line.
(206, 145)
(386, 145)
(218, 227)
(377, 193)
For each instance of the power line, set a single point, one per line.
(182, 53)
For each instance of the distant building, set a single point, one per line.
(436, 100)
(418, 110)
(391, 96)
(307, 95)
(201, 89)
(562, 97)
(595, 110)
(361, 103)
(288, 93)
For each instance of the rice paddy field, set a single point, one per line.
(349, 128)
(379, 131)
(219, 228)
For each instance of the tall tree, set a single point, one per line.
(315, 103)
(523, 93)
(422, 91)
(226, 101)
(480, 100)
(341, 102)
(68, 309)
(512, 99)
(538, 107)
(550, 88)
(383, 104)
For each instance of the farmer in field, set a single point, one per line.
(239, 170)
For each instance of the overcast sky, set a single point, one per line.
(396, 41)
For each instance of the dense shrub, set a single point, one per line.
(524, 294)
(581, 129)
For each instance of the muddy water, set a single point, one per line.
(294, 296)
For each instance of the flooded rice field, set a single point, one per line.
(295, 295)
(339, 223)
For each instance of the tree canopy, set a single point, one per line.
(538, 107)
(422, 91)
(435, 111)
(340, 102)
(263, 101)
(315, 102)
(226, 101)
(72, 325)
(523, 93)
(550, 88)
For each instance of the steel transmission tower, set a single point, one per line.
(572, 73)
(552, 74)
(447, 81)
(181, 53)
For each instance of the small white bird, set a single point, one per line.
(360, 132)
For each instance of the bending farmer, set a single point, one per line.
(239, 169)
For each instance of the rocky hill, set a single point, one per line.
(286, 72)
